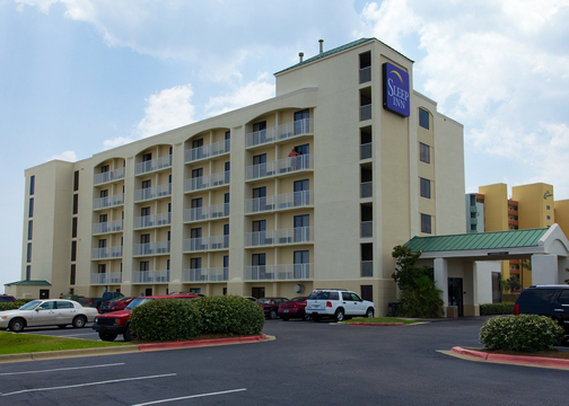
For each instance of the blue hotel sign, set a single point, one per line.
(396, 96)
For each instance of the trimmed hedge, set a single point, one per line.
(490, 309)
(175, 319)
(13, 305)
(525, 333)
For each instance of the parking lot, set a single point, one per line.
(308, 363)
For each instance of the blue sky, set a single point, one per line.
(80, 76)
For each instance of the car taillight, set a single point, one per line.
(328, 304)
(516, 309)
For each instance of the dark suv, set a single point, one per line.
(545, 300)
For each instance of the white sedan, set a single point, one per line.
(57, 312)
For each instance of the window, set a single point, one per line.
(548, 207)
(72, 274)
(101, 268)
(227, 140)
(28, 272)
(32, 184)
(258, 292)
(426, 223)
(425, 188)
(301, 268)
(103, 218)
(301, 228)
(195, 263)
(74, 250)
(424, 118)
(365, 67)
(146, 184)
(31, 208)
(424, 153)
(144, 211)
(145, 238)
(301, 122)
(75, 181)
(144, 266)
(147, 157)
(29, 252)
(366, 266)
(76, 203)
(260, 159)
(74, 227)
(30, 229)
(104, 168)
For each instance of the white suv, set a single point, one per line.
(337, 303)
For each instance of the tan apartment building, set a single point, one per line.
(312, 188)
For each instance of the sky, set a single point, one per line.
(81, 76)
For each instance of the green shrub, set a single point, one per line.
(525, 333)
(490, 309)
(165, 320)
(229, 315)
(13, 305)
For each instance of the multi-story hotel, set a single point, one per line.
(312, 188)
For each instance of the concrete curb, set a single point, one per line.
(205, 343)
(513, 359)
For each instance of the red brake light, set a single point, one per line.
(516, 309)
(328, 304)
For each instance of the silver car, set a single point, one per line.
(57, 312)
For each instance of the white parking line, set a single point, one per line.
(61, 369)
(80, 385)
(199, 395)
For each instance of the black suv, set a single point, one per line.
(545, 300)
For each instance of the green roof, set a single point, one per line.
(30, 283)
(478, 241)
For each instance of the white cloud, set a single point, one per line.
(69, 156)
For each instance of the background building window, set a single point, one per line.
(76, 181)
(424, 153)
(425, 188)
(31, 207)
(424, 118)
(75, 204)
(28, 272)
(72, 274)
(32, 184)
(74, 227)
(30, 229)
(426, 223)
(29, 252)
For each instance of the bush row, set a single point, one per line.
(13, 305)
(177, 319)
(525, 333)
(490, 309)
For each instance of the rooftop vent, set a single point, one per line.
(300, 56)
(321, 42)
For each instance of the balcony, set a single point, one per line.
(111, 278)
(365, 74)
(279, 202)
(153, 220)
(279, 167)
(205, 275)
(153, 165)
(208, 181)
(109, 176)
(153, 192)
(366, 229)
(280, 132)
(204, 213)
(281, 272)
(106, 252)
(152, 248)
(295, 235)
(151, 276)
(108, 227)
(217, 242)
(365, 151)
(365, 112)
(366, 269)
(108, 201)
(208, 150)
(366, 189)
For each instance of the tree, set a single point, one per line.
(419, 294)
(512, 283)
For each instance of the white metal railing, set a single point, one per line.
(153, 164)
(204, 213)
(365, 74)
(205, 275)
(206, 243)
(283, 131)
(109, 176)
(208, 150)
(277, 272)
(203, 182)
(280, 166)
(153, 192)
(153, 220)
(366, 229)
(365, 151)
(366, 268)
(108, 227)
(278, 202)
(366, 189)
(108, 201)
(152, 248)
(106, 278)
(151, 276)
(107, 252)
(365, 112)
(280, 236)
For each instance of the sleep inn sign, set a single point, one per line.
(396, 96)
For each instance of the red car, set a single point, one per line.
(294, 308)
(270, 305)
(115, 304)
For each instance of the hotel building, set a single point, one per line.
(310, 189)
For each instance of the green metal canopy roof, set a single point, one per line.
(30, 283)
(478, 241)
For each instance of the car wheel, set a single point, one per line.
(339, 315)
(79, 321)
(17, 325)
(285, 318)
(107, 336)
(127, 335)
(369, 313)
(273, 314)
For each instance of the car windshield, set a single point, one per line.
(30, 305)
(263, 300)
(138, 301)
(323, 295)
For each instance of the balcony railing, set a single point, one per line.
(366, 189)
(280, 236)
(366, 229)
(365, 151)
(109, 176)
(365, 74)
(108, 227)
(206, 243)
(153, 164)
(365, 112)
(366, 269)
(281, 272)
(153, 192)
(108, 201)
(279, 167)
(151, 276)
(204, 182)
(110, 278)
(281, 132)
(208, 150)
(106, 252)
(278, 202)
(152, 248)
(205, 275)
(204, 213)
(153, 220)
